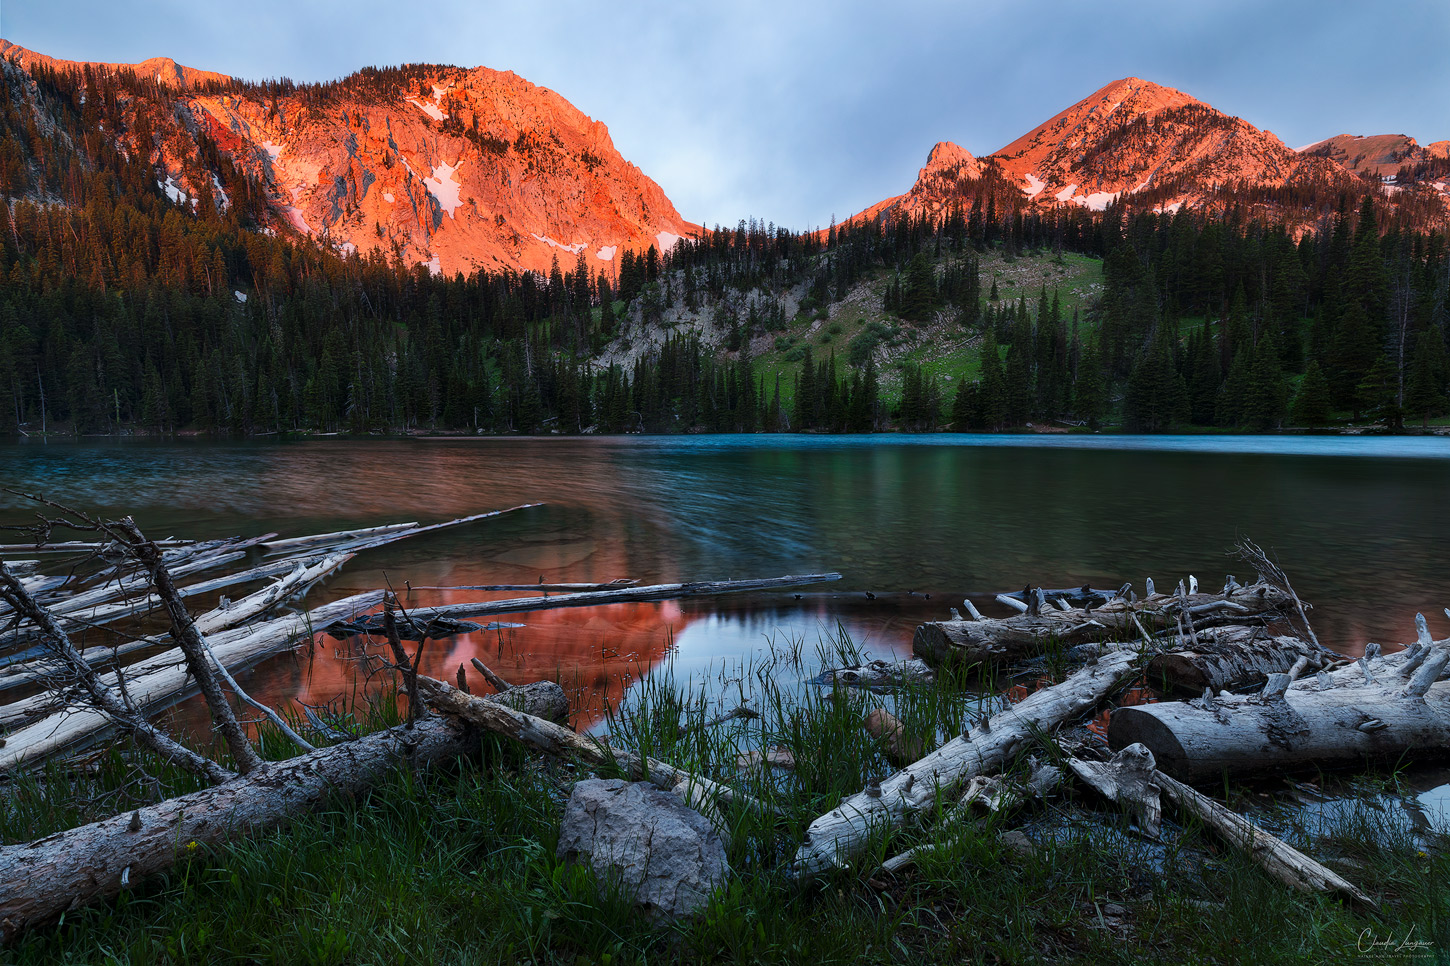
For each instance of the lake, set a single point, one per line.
(1358, 523)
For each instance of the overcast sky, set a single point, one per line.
(795, 111)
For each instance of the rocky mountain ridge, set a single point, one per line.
(457, 170)
(1141, 144)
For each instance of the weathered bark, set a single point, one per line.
(989, 641)
(1233, 657)
(1201, 740)
(1127, 780)
(878, 674)
(835, 838)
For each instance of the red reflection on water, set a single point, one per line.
(595, 653)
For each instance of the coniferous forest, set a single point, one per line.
(123, 311)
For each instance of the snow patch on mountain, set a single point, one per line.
(1034, 185)
(388, 197)
(606, 253)
(434, 268)
(172, 191)
(297, 219)
(444, 188)
(274, 151)
(1065, 193)
(432, 110)
(666, 240)
(1098, 201)
(573, 249)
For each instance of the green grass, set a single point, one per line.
(458, 865)
(946, 350)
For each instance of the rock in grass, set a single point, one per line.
(663, 854)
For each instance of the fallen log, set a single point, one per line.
(835, 838)
(1278, 858)
(1287, 726)
(993, 793)
(698, 588)
(155, 682)
(541, 735)
(1127, 780)
(40, 880)
(1004, 640)
(541, 587)
(1132, 779)
(1233, 657)
(1083, 596)
(227, 615)
(294, 544)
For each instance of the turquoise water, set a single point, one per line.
(1359, 523)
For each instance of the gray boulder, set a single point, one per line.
(663, 854)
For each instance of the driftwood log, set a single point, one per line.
(989, 792)
(1132, 779)
(880, 674)
(836, 838)
(1312, 723)
(40, 880)
(531, 730)
(997, 641)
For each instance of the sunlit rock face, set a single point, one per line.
(1142, 145)
(455, 170)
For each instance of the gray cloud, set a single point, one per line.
(794, 112)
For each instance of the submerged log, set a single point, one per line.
(835, 838)
(880, 674)
(967, 643)
(1406, 711)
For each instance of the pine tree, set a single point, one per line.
(1424, 392)
(1311, 404)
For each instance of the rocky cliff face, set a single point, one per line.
(454, 169)
(948, 168)
(1134, 135)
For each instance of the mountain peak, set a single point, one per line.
(165, 70)
(945, 154)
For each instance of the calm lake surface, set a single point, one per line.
(1359, 524)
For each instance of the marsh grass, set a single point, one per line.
(458, 864)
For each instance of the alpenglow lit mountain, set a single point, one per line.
(454, 169)
(1143, 145)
